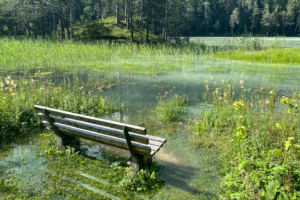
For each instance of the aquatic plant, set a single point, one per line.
(171, 107)
(257, 140)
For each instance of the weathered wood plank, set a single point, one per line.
(155, 138)
(154, 148)
(97, 128)
(155, 143)
(93, 120)
(152, 153)
(102, 138)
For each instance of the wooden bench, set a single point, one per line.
(69, 127)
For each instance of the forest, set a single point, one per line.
(164, 18)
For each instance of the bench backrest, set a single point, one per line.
(100, 130)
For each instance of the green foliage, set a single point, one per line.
(146, 180)
(107, 29)
(171, 107)
(17, 98)
(257, 139)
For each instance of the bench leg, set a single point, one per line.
(140, 161)
(66, 140)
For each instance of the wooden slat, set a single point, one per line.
(155, 138)
(98, 137)
(97, 128)
(93, 120)
(152, 153)
(155, 143)
(153, 148)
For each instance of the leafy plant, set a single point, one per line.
(171, 107)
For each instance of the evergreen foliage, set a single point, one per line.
(166, 18)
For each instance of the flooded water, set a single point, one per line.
(187, 173)
(291, 42)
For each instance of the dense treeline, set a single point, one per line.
(164, 18)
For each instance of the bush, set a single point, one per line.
(17, 98)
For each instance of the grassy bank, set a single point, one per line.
(273, 55)
(256, 138)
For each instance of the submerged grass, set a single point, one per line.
(72, 175)
(257, 139)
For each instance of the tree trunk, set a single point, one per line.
(35, 31)
(43, 27)
(71, 22)
(128, 13)
(165, 24)
(131, 22)
(34, 21)
(53, 21)
(11, 27)
(141, 19)
(62, 23)
(126, 10)
(99, 13)
(148, 22)
(117, 13)
(141, 14)
(29, 34)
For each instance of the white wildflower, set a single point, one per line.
(241, 82)
(223, 81)
(271, 92)
(267, 102)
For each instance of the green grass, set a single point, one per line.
(17, 98)
(257, 140)
(273, 55)
(27, 56)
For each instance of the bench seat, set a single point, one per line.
(132, 138)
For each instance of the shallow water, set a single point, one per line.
(291, 42)
(187, 174)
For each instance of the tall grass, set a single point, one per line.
(257, 139)
(46, 55)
